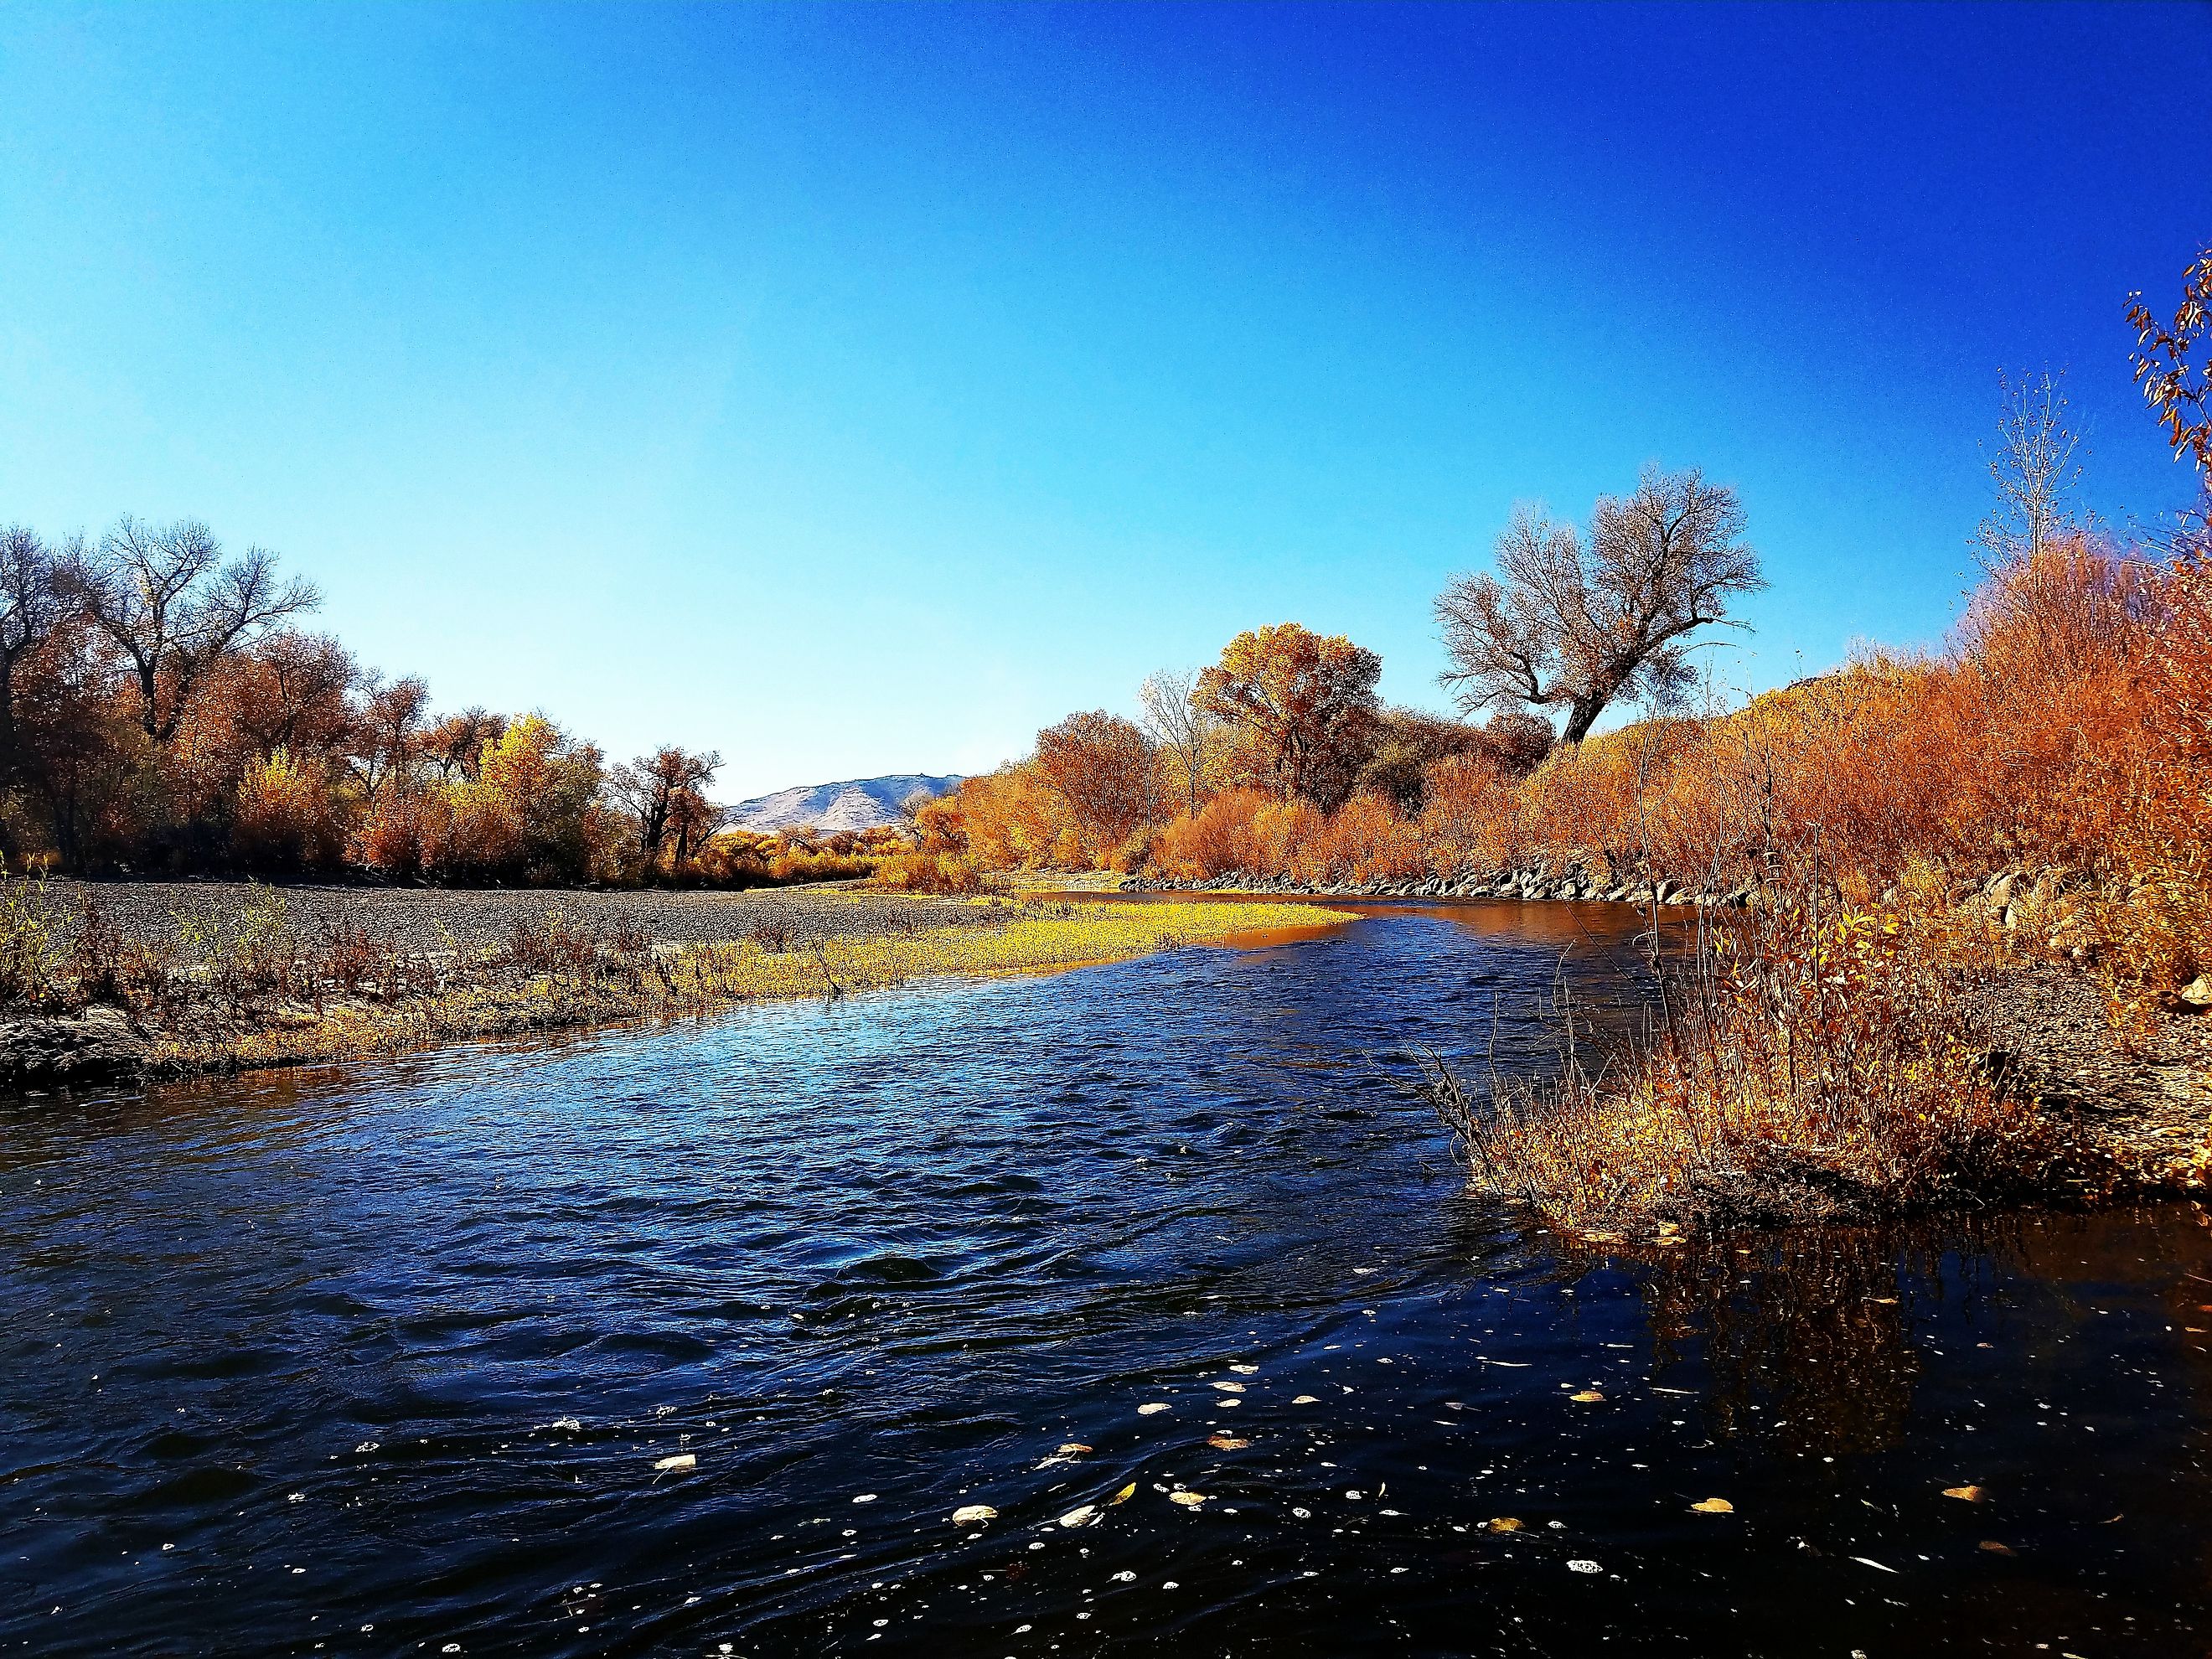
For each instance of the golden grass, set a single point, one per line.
(483, 1001)
(1808, 1065)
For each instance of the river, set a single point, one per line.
(390, 1358)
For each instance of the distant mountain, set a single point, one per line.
(857, 803)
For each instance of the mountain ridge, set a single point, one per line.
(847, 804)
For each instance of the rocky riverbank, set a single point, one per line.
(1572, 884)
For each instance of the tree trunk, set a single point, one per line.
(1582, 715)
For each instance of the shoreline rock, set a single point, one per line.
(65, 1050)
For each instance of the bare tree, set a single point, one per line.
(1181, 728)
(35, 601)
(175, 609)
(2034, 470)
(1577, 625)
(666, 786)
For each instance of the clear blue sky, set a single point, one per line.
(854, 391)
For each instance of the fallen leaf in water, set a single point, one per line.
(1229, 1387)
(681, 1460)
(1993, 1547)
(1504, 1524)
(1073, 1449)
(1713, 1506)
(1125, 1494)
(1305, 1400)
(1887, 1301)
(1969, 1494)
(1189, 1500)
(1151, 1408)
(1245, 1370)
(1584, 1566)
(974, 1515)
(568, 1423)
(1081, 1516)
(1586, 1397)
(1226, 1443)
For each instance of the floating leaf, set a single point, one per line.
(1993, 1547)
(1125, 1494)
(1151, 1408)
(681, 1460)
(1189, 1500)
(1713, 1506)
(1081, 1516)
(1245, 1370)
(1226, 1443)
(974, 1515)
(1967, 1494)
(1073, 1449)
(1584, 1566)
(1305, 1400)
(1229, 1387)
(1587, 1396)
(1504, 1524)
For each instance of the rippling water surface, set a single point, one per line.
(381, 1359)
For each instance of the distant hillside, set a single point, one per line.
(858, 803)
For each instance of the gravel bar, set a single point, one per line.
(434, 918)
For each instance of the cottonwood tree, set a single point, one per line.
(34, 602)
(1575, 624)
(650, 788)
(455, 745)
(171, 605)
(388, 736)
(1180, 727)
(693, 819)
(1303, 705)
(2034, 472)
(1105, 769)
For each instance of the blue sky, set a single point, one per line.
(854, 391)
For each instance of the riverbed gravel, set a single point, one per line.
(432, 919)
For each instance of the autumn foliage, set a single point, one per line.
(2066, 727)
(162, 710)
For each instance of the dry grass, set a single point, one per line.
(237, 986)
(1807, 1064)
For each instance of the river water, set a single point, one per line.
(381, 1359)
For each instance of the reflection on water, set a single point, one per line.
(383, 1359)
